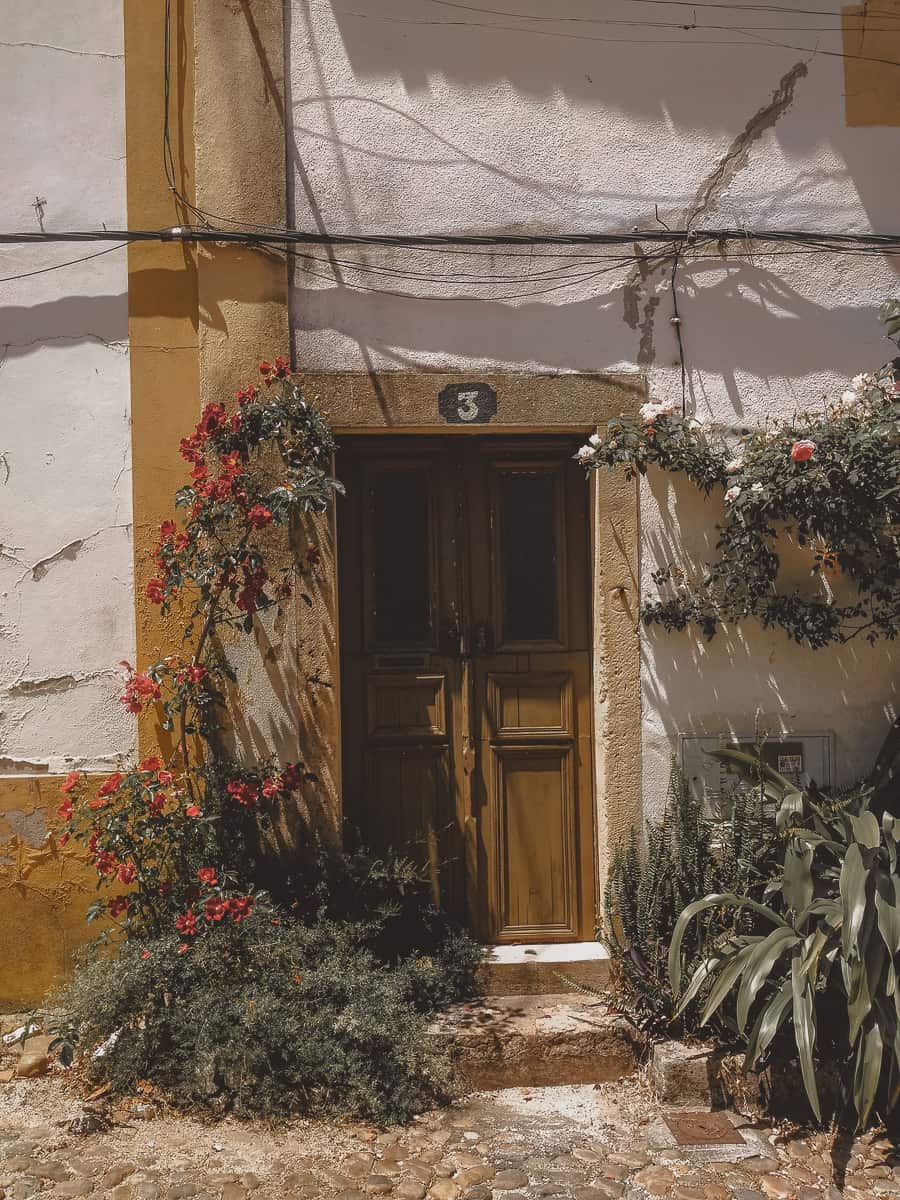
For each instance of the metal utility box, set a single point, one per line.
(799, 756)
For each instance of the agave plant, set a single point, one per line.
(823, 960)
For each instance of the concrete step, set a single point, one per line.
(543, 969)
(538, 1041)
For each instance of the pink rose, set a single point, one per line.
(803, 451)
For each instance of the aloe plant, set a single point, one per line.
(827, 941)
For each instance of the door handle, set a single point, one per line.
(454, 638)
(482, 638)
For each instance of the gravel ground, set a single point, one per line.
(576, 1143)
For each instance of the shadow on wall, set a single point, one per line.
(746, 674)
(427, 113)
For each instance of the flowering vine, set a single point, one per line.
(173, 842)
(829, 481)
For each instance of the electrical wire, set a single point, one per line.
(59, 266)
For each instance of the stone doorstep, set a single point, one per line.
(538, 1041)
(540, 970)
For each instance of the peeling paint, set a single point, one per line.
(30, 827)
(22, 766)
(67, 553)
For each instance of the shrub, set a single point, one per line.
(687, 855)
(821, 967)
(244, 981)
(268, 1019)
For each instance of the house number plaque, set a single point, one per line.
(467, 403)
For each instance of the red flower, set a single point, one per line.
(126, 873)
(282, 367)
(151, 764)
(166, 530)
(192, 811)
(183, 948)
(245, 793)
(272, 788)
(187, 922)
(803, 450)
(165, 777)
(240, 908)
(110, 784)
(70, 781)
(265, 368)
(208, 876)
(215, 910)
(138, 689)
(65, 810)
(62, 839)
(237, 421)
(247, 395)
(106, 863)
(145, 954)
(196, 672)
(156, 801)
(98, 802)
(182, 541)
(292, 776)
(211, 420)
(156, 591)
(259, 516)
(118, 905)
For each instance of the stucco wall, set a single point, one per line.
(65, 484)
(424, 117)
(66, 593)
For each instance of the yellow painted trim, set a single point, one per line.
(162, 305)
(44, 892)
(871, 77)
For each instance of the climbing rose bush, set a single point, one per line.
(827, 481)
(173, 842)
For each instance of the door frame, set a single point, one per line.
(406, 402)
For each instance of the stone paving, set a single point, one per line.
(599, 1142)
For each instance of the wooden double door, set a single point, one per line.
(465, 652)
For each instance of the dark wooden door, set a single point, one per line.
(465, 646)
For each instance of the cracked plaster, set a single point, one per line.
(434, 127)
(65, 524)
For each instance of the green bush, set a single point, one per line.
(819, 970)
(271, 1016)
(686, 855)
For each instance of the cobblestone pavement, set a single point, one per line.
(574, 1143)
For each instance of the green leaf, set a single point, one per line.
(853, 880)
(805, 1030)
(762, 960)
(767, 1024)
(869, 1059)
(729, 971)
(887, 906)
(716, 900)
(798, 884)
(865, 830)
(706, 969)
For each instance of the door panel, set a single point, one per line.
(535, 833)
(465, 638)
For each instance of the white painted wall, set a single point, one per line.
(66, 592)
(416, 115)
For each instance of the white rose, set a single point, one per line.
(734, 466)
(732, 494)
(649, 412)
(849, 397)
(595, 440)
(756, 487)
(859, 382)
(585, 454)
